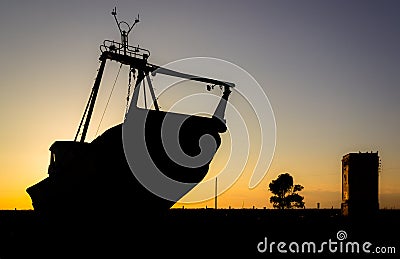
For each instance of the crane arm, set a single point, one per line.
(165, 71)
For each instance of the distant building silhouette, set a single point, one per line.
(360, 178)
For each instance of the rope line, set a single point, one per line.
(109, 97)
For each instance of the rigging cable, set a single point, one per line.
(109, 97)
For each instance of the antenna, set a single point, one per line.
(124, 32)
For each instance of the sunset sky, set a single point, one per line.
(330, 69)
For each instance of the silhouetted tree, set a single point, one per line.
(285, 193)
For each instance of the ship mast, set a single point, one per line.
(124, 46)
(136, 58)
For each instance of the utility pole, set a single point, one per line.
(216, 193)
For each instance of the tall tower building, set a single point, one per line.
(360, 180)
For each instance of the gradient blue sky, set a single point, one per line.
(331, 70)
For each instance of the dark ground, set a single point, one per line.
(190, 233)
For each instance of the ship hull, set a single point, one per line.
(100, 177)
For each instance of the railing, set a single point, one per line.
(116, 47)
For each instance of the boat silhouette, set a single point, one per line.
(92, 178)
